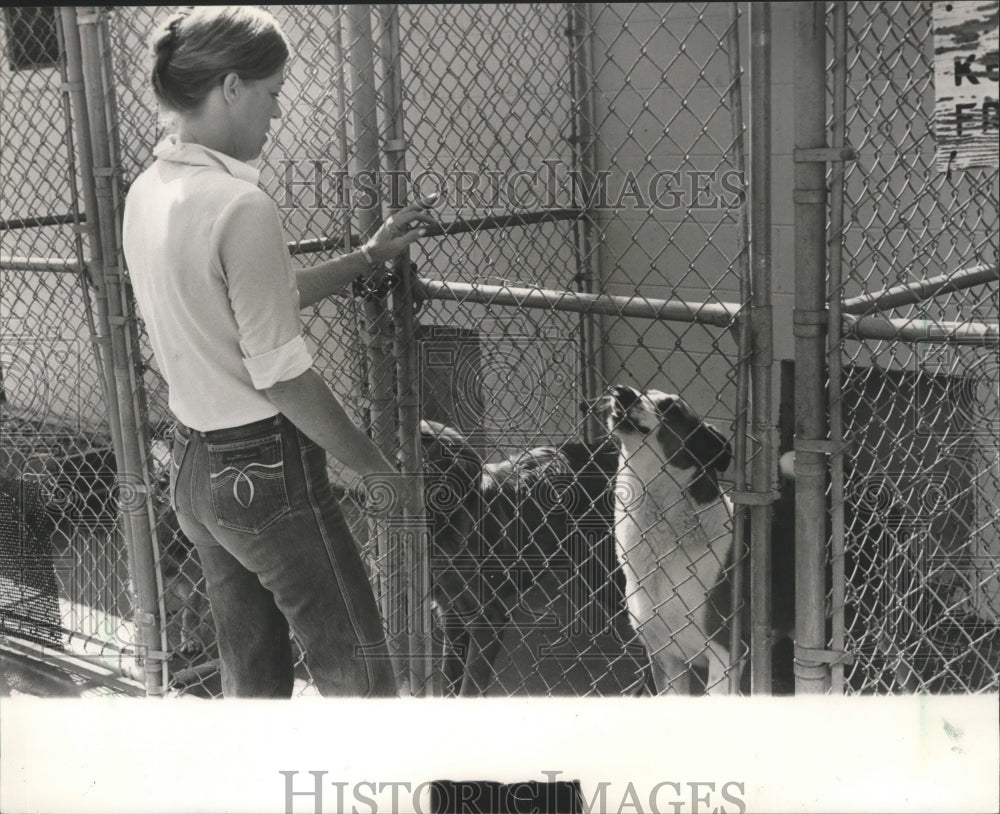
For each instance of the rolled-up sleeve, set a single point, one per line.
(262, 291)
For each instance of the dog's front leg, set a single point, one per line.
(485, 639)
(194, 628)
(479, 664)
(671, 675)
(455, 651)
(718, 668)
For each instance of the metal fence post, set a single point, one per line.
(579, 31)
(381, 381)
(134, 488)
(835, 332)
(405, 350)
(100, 326)
(809, 320)
(344, 152)
(762, 350)
(744, 340)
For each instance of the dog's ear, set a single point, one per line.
(710, 448)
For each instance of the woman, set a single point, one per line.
(215, 286)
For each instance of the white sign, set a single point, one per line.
(966, 74)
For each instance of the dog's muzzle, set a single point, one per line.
(624, 397)
(614, 408)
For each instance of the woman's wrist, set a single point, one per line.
(372, 256)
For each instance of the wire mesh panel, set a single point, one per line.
(608, 173)
(921, 553)
(65, 568)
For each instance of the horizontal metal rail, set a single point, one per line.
(39, 264)
(455, 227)
(921, 330)
(920, 290)
(32, 222)
(335, 242)
(721, 314)
(462, 226)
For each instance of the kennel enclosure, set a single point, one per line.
(739, 203)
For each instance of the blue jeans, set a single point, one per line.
(275, 549)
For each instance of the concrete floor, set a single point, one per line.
(20, 675)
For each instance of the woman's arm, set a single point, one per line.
(311, 406)
(325, 279)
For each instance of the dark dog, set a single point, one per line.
(479, 548)
(567, 518)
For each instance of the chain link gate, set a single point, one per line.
(533, 297)
(915, 556)
(567, 261)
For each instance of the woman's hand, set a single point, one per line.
(332, 276)
(400, 230)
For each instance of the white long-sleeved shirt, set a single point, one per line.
(214, 284)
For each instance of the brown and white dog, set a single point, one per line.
(672, 534)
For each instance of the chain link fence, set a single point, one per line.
(917, 575)
(593, 233)
(503, 342)
(64, 582)
(547, 128)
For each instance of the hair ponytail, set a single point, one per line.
(193, 50)
(165, 41)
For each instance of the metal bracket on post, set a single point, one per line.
(814, 445)
(754, 498)
(92, 274)
(149, 621)
(809, 323)
(813, 657)
(394, 146)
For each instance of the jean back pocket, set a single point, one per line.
(248, 483)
